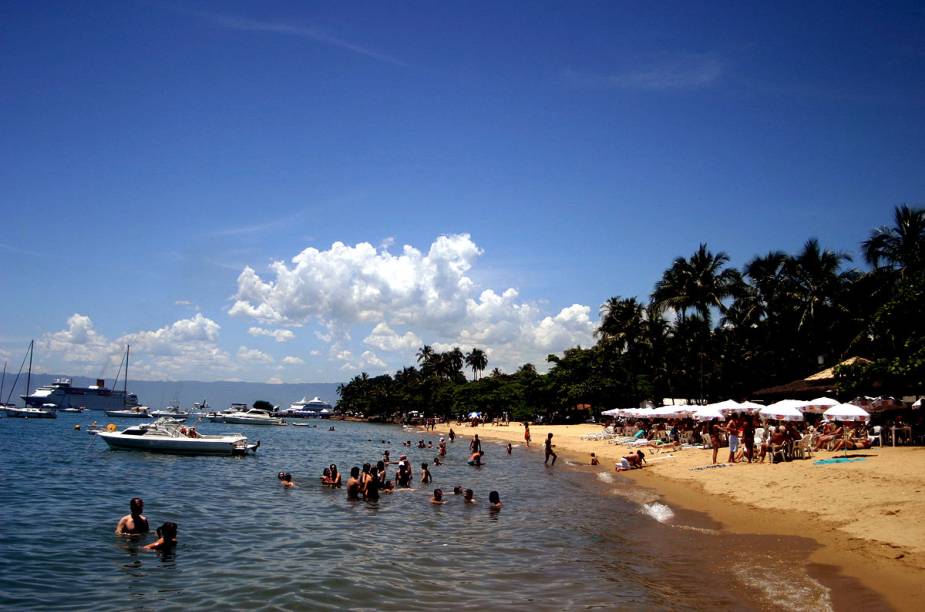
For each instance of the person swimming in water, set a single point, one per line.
(437, 499)
(469, 497)
(335, 476)
(425, 474)
(135, 522)
(167, 537)
(286, 479)
(353, 484)
(494, 500)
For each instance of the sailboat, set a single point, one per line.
(27, 412)
(135, 412)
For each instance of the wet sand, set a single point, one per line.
(865, 517)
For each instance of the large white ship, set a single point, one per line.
(63, 394)
(308, 408)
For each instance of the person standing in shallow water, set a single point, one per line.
(475, 445)
(527, 434)
(353, 484)
(135, 522)
(549, 451)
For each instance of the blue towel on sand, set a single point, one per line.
(837, 460)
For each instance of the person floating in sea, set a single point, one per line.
(166, 537)
(549, 451)
(594, 460)
(494, 501)
(353, 484)
(527, 434)
(335, 476)
(134, 523)
(509, 448)
(286, 479)
(469, 497)
(437, 499)
(476, 458)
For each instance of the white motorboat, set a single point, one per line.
(164, 437)
(75, 409)
(138, 412)
(252, 417)
(30, 413)
(173, 412)
(308, 408)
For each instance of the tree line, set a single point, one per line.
(707, 332)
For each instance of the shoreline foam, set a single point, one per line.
(866, 517)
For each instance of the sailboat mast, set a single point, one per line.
(29, 375)
(3, 382)
(128, 347)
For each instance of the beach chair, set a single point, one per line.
(804, 448)
(778, 450)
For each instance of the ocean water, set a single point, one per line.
(568, 537)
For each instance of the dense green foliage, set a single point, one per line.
(708, 332)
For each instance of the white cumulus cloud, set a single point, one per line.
(252, 355)
(280, 335)
(404, 300)
(290, 360)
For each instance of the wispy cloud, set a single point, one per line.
(13, 249)
(686, 72)
(243, 24)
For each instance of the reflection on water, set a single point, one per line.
(562, 539)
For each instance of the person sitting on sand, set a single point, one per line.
(426, 478)
(594, 460)
(437, 499)
(335, 476)
(353, 484)
(167, 537)
(135, 522)
(476, 458)
(633, 461)
(286, 479)
(469, 497)
(494, 501)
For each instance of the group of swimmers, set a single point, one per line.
(135, 524)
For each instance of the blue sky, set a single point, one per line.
(536, 158)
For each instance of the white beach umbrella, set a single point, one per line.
(750, 407)
(787, 412)
(846, 412)
(706, 413)
(726, 407)
(612, 412)
(819, 405)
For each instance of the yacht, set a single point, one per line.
(30, 413)
(62, 393)
(136, 412)
(309, 408)
(252, 416)
(172, 412)
(168, 437)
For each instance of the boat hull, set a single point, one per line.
(249, 421)
(228, 445)
(19, 413)
(127, 414)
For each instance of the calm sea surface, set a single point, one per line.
(568, 537)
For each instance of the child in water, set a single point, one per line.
(167, 537)
(494, 500)
(437, 499)
(425, 474)
(436, 460)
(594, 460)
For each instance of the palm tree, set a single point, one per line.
(621, 322)
(425, 354)
(816, 282)
(699, 283)
(901, 247)
(477, 362)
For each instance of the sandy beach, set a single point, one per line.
(866, 515)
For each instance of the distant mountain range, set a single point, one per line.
(219, 394)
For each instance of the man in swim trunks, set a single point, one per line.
(134, 523)
(549, 451)
(527, 434)
(475, 445)
(353, 484)
(732, 431)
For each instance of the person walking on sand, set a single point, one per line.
(549, 451)
(527, 434)
(714, 438)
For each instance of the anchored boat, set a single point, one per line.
(167, 437)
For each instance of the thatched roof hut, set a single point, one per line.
(814, 385)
